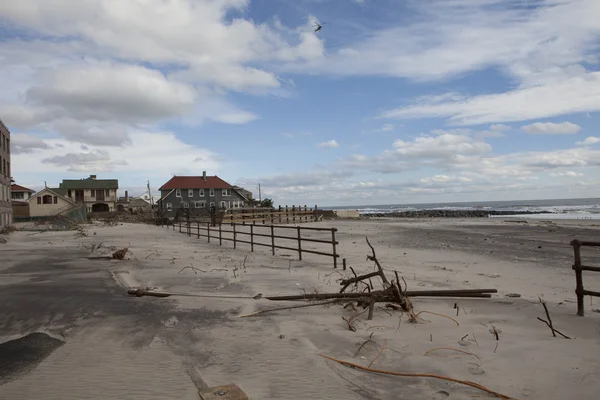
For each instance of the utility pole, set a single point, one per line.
(259, 195)
(151, 198)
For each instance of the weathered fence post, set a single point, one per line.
(251, 237)
(333, 243)
(578, 276)
(299, 244)
(344, 264)
(279, 214)
(293, 214)
(234, 236)
(305, 214)
(273, 239)
(179, 226)
(198, 226)
(220, 235)
(208, 231)
(287, 215)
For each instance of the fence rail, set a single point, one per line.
(282, 215)
(296, 240)
(578, 267)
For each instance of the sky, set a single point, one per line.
(391, 102)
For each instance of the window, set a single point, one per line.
(92, 193)
(39, 200)
(186, 205)
(200, 204)
(178, 192)
(230, 204)
(226, 192)
(212, 193)
(107, 192)
(212, 204)
(201, 193)
(55, 200)
(16, 195)
(169, 206)
(47, 199)
(190, 192)
(223, 204)
(69, 192)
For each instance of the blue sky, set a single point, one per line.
(391, 102)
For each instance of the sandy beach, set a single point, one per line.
(119, 346)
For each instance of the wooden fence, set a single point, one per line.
(578, 267)
(266, 236)
(269, 216)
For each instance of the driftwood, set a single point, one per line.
(549, 322)
(388, 295)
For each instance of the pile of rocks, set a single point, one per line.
(451, 213)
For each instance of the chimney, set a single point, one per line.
(204, 175)
(92, 176)
(126, 196)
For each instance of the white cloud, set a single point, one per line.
(499, 128)
(567, 173)
(550, 128)
(329, 144)
(441, 146)
(24, 143)
(574, 95)
(388, 127)
(588, 141)
(137, 159)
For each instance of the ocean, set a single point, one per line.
(563, 208)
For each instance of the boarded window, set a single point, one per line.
(47, 199)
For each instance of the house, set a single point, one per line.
(246, 193)
(20, 193)
(134, 204)
(48, 202)
(5, 179)
(97, 194)
(198, 194)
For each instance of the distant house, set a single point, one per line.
(198, 194)
(97, 194)
(246, 193)
(134, 204)
(20, 193)
(49, 202)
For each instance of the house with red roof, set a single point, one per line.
(199, 194)
(20, 193)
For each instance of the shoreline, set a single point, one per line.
(451, 214)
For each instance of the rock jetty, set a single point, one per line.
(450, 213)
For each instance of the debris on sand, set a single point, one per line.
(120, 254)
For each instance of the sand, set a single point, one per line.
(118, 346)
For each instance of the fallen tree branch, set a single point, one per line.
(549, 322)
(369, 340)
(388, 296)
(379, 267)
(450, 348)
(419, 375)
(287, 308)
(379, 354)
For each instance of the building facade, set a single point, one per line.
(99, 195)
(48, 202)
(198, 194)
(20, 193)
(5, 177)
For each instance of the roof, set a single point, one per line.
(89, 183)
(55, 191)
(195, 182)
(19, 188)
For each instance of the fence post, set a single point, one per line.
(273, 239)
(299, 245)
(578, 276)
(251, 237)
(208, 231)
(272, 221)
(333, 243)
(344, 263)
(198, 226)
(234, 236)
(173, 225)
(179, 226)
(293, 214)
(189, 227)
(279, 215)
(305, 214)
(287, 215)
(220, 236)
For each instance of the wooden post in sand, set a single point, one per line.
(334, 243)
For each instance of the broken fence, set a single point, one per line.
(578, 267)
(266, 236)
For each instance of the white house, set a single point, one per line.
(20, 193)
(48, 202)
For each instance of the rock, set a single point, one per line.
(513, 295)
(2, 239)
(476, 370)
(442, 394)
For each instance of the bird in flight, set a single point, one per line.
(317, 26)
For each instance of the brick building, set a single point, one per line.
(5, 179)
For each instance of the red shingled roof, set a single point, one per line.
(195, 182)
(18, 188)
